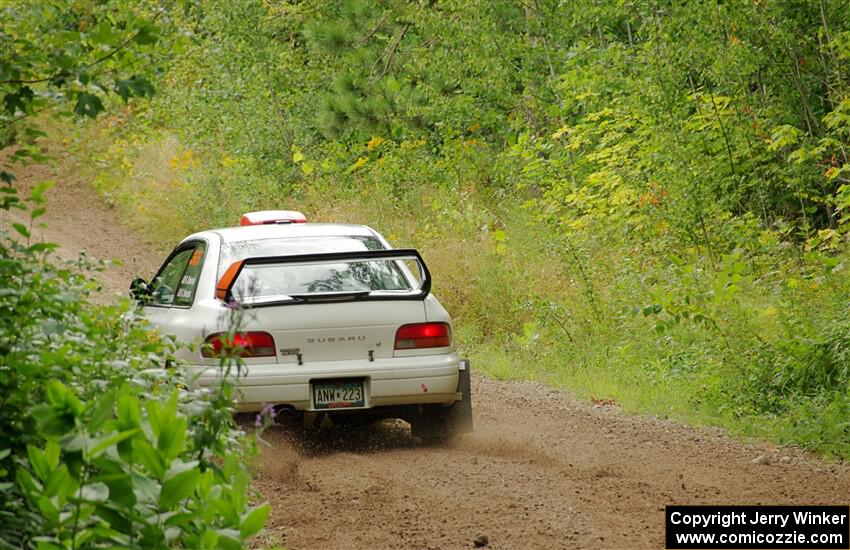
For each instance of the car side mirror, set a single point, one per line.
(140, 291)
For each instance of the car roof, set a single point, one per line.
(282, 231)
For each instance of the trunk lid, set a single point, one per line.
(335, 331)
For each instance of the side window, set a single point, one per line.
(189, 281)
(178, 278)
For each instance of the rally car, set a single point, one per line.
(334, 323)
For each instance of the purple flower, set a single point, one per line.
(267, 412)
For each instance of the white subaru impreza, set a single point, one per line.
(335, 322)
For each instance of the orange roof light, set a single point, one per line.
(264, 217)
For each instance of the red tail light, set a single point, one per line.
(423, 335)
(243, 344)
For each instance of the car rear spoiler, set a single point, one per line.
(225, 283)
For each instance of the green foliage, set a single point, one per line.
(118, 472)
(101, 445)
(69, 56)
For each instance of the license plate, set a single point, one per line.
(338, 394)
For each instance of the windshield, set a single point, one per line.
(257, 282)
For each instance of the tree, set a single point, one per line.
(68, 57)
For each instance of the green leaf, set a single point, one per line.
(653, 309)
(169, 428)
(74, 442)
(147, 34)
(254, 520)
(22, 229)
(129, 413)
(148, 457)
(135, 86)
(104, 442)
(26, 481)
(18, 101)
(88, 105)
(120, 489)
(101, 410)
(145, 489)
(40, 189)
(178, 467)
(47, 508)
(57, 393)
(229, 539)
(105, 34)
(38, 462)
(172, 438)
(51, 453)
(47, 545)
(117, 519)
(63, 61)
(81, 537)
(60, 483)
(210, 539)
(42, 247)
(177, 488)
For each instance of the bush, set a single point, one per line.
(95, 450)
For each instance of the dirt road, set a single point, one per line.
(542, 470)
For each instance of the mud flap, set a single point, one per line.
(459, 415)
(434, 422)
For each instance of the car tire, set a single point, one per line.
(290, 421)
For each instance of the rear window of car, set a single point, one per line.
(298, 279)
(239, 250)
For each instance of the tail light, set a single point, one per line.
(243, 344)
(423, 335)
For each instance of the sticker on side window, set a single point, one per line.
(196, 257)
(184, 293)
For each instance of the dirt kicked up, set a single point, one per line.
(542, 470)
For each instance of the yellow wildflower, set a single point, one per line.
(359, 163)
(374, 143)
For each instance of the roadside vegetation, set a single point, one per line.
(638, 201)
(100, 446)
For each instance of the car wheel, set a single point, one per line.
(290, 421)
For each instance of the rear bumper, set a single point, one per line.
(430, 379)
